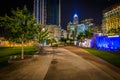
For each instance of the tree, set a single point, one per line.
(85, 34)
(118, 31)
(20, 26)
(80, 36)
(114, 31)
(88, 34)
(41, 35)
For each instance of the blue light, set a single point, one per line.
(106, 43)
(44, 43)
(75, 15)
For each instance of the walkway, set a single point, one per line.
(69, 66)
(100, 63)
(62, 65)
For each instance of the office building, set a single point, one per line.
(111, 18)
(47, 12)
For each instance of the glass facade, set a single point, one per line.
(52, 12)
(46, 11)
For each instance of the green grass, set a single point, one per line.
(6, 52)
(111, 57)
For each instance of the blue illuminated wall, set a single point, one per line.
(106, 43)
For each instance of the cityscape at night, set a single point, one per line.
(60, 40)
(84, 8)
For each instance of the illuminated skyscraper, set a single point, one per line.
(47, 12)
(75, 19)
(40, 11)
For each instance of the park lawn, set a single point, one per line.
(6, 52)
(111, 57)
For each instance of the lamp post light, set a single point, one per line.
(43, 29)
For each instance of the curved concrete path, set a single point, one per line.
(69, 66)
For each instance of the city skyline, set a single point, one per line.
(83, 8)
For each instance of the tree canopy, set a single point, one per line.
(41, 33)
(19, 26)
(85, 34)
(114, 31)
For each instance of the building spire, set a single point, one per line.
(75, 15)
(75, 19)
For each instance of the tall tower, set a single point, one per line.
(40, 11)
(48, 12)
(75, 19)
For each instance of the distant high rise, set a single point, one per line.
(75, 19)
(47, 12)
(87, 22)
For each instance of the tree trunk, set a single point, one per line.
(22, 53)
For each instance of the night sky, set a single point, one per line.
(84, 8)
